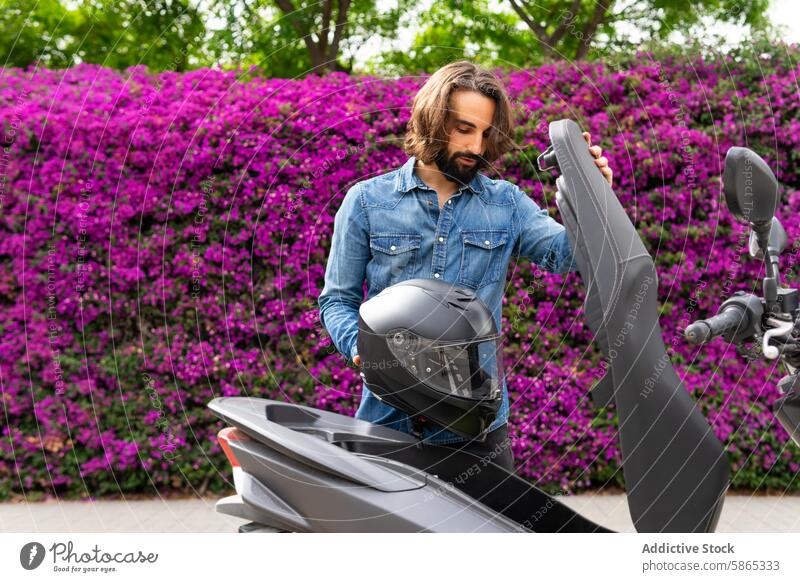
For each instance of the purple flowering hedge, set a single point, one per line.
(163, 241)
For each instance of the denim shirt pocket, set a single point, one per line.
(394, 257)
(482, 256)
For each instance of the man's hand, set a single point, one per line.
(357, 360)
(600, 160)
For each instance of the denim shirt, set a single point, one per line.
(390, 228)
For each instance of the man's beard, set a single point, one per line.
(450, 168)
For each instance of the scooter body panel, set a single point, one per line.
(334, 485)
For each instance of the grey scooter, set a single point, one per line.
(295, 468)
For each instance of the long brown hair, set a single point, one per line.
(426, 131)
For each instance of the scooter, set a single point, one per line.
(299, 469)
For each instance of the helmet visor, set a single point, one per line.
(471, 369)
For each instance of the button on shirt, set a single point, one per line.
(390, 228)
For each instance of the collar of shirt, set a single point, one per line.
(407, 179)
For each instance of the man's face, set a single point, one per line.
(468, 125)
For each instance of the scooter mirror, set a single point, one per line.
(751, 190)
(777, 240)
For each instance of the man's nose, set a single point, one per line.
(476, 145)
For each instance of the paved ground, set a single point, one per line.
(741, 513)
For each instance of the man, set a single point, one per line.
(438, 217)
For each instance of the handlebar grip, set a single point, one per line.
(704, 330)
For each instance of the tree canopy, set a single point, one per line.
(291, 38)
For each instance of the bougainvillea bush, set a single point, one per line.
(164, 239)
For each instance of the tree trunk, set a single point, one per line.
(323, 55)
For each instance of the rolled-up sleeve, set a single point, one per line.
(541, 239)
(345, 272)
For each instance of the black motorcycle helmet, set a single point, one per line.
(432, 350)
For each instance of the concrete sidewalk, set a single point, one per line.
(741, 513)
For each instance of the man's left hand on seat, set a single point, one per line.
(600, 160)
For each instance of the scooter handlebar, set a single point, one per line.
(704, 330)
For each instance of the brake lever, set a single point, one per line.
(782, 328)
